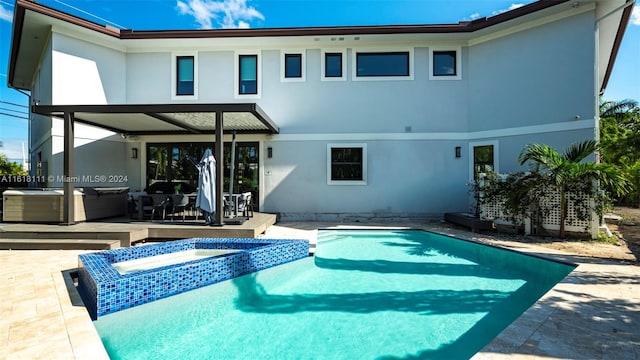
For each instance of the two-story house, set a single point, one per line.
(358, 122)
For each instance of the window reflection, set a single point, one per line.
(292, 65)
(248, 74)
(482, 160)
(382, 64)
(176, 162)
(185, 79)
(333, 65)
(444, 63)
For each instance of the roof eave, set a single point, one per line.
(624, 22)
(18, 23)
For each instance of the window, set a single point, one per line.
(174, 162)
(292, 66)
(185, 77)
(333, 64)
(382, 64)
(248, 74)
(444, 64)
(482, 160)
(347, 164)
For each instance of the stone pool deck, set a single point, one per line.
(594, 313)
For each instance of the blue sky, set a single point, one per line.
(195, 14)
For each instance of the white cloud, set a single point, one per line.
(226, 13)
(511, 7)
(5, 14)
(474, 16)
(635, 15)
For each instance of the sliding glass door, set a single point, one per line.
(176, 162)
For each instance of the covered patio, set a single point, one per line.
(157, 119)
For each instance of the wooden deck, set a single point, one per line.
(101, 234)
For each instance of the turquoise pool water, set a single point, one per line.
(364, 295)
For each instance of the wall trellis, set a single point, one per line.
(549, 209)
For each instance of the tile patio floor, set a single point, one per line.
(594, 313)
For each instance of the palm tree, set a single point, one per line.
(619, 110)
(565, 171)
(620, 142)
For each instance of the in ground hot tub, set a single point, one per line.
(114, 280)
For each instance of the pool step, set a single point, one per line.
(58, 244)
(326, 235)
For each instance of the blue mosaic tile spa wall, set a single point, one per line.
(106, 291)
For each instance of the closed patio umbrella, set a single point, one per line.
(206, 199)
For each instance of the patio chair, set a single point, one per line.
(140, 203)
(180, 203)
(227, 207)
(161, 203)
(245, 205)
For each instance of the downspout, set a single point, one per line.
(597, 224)
(29, 170)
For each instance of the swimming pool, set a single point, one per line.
(365, 295)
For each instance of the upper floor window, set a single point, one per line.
(293, 65)
(184, 72)
(444, 64)
(334, 64)
(382, 64)
(185, 78)
(248, 74)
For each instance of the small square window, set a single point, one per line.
(333, 65)
(347, 164)
(444, 63)
(293, 65)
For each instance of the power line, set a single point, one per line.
(14, 104)
(15, 111)
(90, 14)
(15, 116)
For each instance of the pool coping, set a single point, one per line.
(592, 313)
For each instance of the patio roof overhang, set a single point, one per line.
(159, 119)
(151, 119)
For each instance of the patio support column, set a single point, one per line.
(68, 170)
(219, 155)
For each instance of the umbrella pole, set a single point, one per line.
(233, 169)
